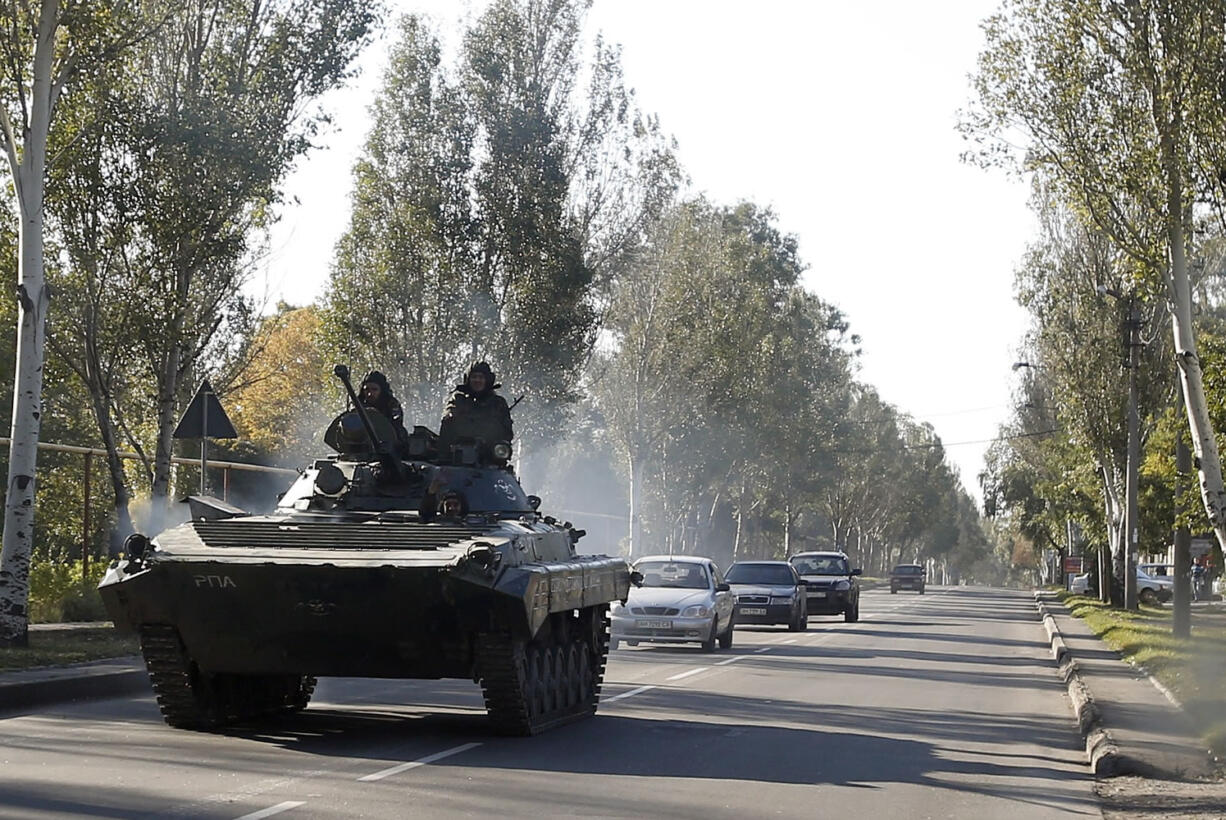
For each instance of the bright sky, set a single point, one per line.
(841, 117)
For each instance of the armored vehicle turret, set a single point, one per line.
(387, 559)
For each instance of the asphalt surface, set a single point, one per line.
(941, 705)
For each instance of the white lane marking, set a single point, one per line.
(733, 659)
(413, 764)
(690, 672)
(763, 649)
(277, 809)
(793, 640)
(629, 694)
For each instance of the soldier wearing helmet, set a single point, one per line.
(475, 411)
(376, 394)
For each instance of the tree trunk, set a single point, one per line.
(636, 500)
(740, 518)
(1204, 444)
(33, 301)
(787, 528)
(114, 465)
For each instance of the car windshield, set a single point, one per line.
(773, 574)
(907, 569)
(669, 574)
(820, 565)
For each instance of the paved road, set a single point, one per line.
(942, 705)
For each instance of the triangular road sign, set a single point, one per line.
(192, 425)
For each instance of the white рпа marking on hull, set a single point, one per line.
(413, 764)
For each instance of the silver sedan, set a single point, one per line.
(682, 599)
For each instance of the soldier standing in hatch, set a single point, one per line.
(475, 411)
(376, 394)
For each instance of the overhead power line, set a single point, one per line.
(931, 444)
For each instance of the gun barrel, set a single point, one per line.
(342, 373)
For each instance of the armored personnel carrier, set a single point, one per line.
(388, 559)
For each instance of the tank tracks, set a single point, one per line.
(532, 686)
(190, 698)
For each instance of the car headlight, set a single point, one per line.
(695, 612)
(615, 607)
(843, 586)
(787, 599)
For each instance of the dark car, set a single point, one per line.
(907, 576)
(768, 592)
(831, 585)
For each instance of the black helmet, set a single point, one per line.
(378, 378)
(482, 367)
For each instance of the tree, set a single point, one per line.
(400, 298)
(285, 397)
(495, 201)
(1122, 103)
(66, 41)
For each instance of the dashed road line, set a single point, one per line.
(422, 761)
(270, 811)
(763, 649)
(733, 659)
(640, 690)
(686, 674)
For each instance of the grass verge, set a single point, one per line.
(1192, 668)
(59, 647)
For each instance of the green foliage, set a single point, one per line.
(728, 391)
(61, 591)
(494, 201)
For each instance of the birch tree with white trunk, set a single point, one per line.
(1120, 102)
(44, 46)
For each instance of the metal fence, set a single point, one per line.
(88, 454)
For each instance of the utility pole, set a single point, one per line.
(1132, 523)
(1181, 614)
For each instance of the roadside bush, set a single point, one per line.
(59, 591)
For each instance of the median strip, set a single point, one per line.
(404, 767)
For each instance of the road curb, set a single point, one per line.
(1104, 755)
(84, 681)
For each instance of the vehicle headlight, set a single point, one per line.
(787, 599)
(616, 607)
(695, 612)
(502, 451)
(843, 586)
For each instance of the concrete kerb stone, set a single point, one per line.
(1103, 754)
(86, 681)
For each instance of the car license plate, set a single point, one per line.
(817, 595)
(753, 610)
(654, 624)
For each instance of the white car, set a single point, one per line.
(1150, 589)
(1154, 588)
(682, 599)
